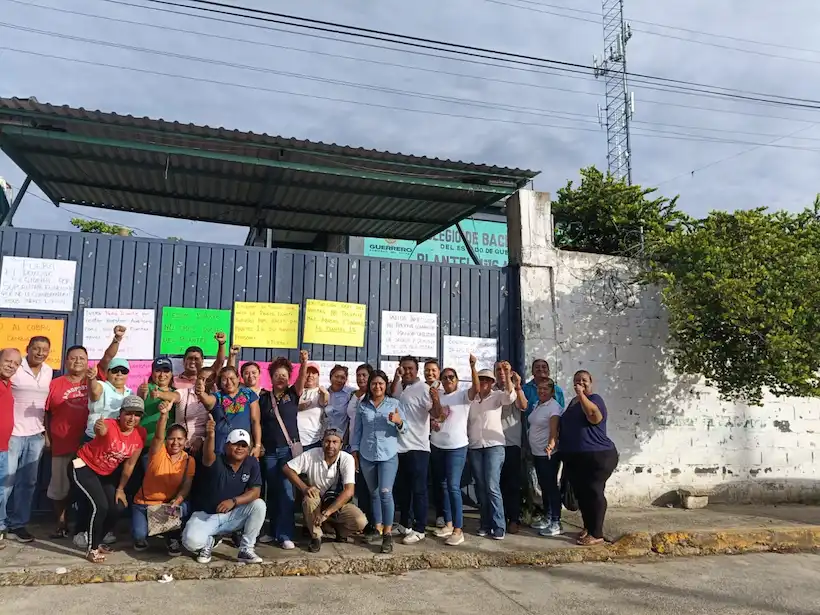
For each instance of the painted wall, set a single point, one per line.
(581, 311)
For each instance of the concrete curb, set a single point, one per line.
(630, 546)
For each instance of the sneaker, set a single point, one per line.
(140, 545)
(482, 533)
(204, 555)
(413, 537)
(444, 532)
(455, 539)
(373, 539)
(21, 534)
(2, 539)
(267, 539)
(315, 545)
(109, 539)
(248, 556)
(539, 524)
(287, 545)
(400, 530)
(174, 547)
(81, 540)
(553, 529)
(498, 534)
(440, 522)
(387, 544)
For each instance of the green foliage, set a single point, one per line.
(103, 228)
(742, 291)
(604, 215)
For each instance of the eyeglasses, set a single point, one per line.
(119, 370)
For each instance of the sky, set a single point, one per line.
(552, 129)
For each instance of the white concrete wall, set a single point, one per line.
(580, 311)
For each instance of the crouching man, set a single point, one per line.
(331, 482)
(231, 486)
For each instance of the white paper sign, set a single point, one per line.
(409, 333)
(98, 331)
(41, 284)
(389, 368)
(457, 351)
(326, 366)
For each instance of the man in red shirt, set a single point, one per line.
(10, 360)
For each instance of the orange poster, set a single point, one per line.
(16, 333)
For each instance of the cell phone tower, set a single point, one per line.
(619, 102)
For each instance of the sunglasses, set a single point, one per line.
(119, 370)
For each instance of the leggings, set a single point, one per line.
(98, 495)
(588, 473)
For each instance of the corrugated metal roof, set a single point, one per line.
(218, 175)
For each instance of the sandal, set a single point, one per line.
(105, 549)
(95, 557)
(589, 541)
(583, 534)
(62, 532)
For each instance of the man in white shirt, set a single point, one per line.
(331, 482)
(414, 449)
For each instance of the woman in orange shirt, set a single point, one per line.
(167, 481)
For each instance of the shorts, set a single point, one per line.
(59, 486)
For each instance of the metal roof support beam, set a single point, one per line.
(279, 164)
(467, 245)
(16, 202)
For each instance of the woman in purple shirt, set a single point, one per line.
(588, 454)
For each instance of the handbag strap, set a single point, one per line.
(279, 419)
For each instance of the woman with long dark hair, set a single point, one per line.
(362, 492)
(589, 456)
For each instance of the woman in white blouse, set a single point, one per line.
(311, 416)
(543, 431)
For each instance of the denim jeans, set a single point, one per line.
(21, 479)
(139, 521)
(546, 469)
(411, 488)
(202, 527)
(280, 494)
(448, 466)
(4, 465)
(486, 465)
(380, 476)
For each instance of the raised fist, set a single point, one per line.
(220, 338)
(303, 356)
(164, 408)
(472, 360)
(119, 331)
(235, 350)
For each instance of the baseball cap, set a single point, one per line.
(332, 431)
(132, 403)
(117, 362)
(313, 365)
(487, 373)
(162, 364)
(239, 435)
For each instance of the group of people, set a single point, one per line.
(236, 457)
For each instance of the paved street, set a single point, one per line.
(749, 585)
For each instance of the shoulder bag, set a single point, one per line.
(295, 447)
(164, 518)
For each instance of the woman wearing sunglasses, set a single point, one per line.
(105, 397)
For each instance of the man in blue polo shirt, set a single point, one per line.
(231, 503)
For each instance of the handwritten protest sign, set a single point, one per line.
(138, 373)
(184, 327)
(266, 325)
(334, 323)
(457, 351)
(412, 333)
(16, 333)
(41, 284)
(98, 331)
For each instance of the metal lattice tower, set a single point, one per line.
(619, 103)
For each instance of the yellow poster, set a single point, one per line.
(16, 333)
(335, 323)
(266, 325)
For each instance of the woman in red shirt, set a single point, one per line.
(116, 442)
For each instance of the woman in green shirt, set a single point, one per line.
(159, 388)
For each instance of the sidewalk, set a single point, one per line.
(634, 532)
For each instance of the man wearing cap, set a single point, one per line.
(105, 397)
(230, 499)
(330, 485)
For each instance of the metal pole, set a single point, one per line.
(467, 245)
(17, 200)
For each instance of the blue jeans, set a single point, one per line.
(202, 527)
(546, 469)
(486, 466)
(380, 476)
(280, 494)
(4, 467)
(448, 466)
(139, 521)
(21, 479)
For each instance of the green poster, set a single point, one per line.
(488, 240)
(184, 327)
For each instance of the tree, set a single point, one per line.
(606, 216)
(102, 228)
(742, 291)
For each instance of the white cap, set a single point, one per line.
(239, 435)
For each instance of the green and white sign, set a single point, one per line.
(488, 240)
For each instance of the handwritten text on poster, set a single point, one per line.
(266, 325)
(98, 331)
(335, 323)
(41, 284)
(413, 333)
(184, 327)
(17, 332)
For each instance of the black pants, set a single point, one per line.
(410, 489)
(98, 496)
(511, 483)
(363, 498)
(588, 473)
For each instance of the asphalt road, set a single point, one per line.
(749, 584)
